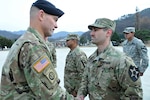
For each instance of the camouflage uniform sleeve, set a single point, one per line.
(144, 56)
(81, 61)
(129, 80)
(40, 75)
(83, 90)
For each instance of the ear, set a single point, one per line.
(41, 15)
(109, 32)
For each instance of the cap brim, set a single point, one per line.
(67, 39)
(95, 26)
(125, 32)
(59, 12)
(54, 11)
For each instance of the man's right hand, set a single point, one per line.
(140, 73)
(79, 97)
(74, 93)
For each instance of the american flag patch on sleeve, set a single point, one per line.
(41, 64)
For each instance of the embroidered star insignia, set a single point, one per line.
(133, 73)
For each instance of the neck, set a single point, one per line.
(102, 47)
(73, 47)
(130, 39)
(37, 28)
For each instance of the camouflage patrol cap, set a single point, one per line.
(129, 30)
(72, 36)
(103, 23)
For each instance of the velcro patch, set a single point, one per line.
(133, 73)
(41, 64)
(51, 75)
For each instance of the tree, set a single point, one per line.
(144, 35)
(5, 42)
(83, 40)
(115, 37)
(85, 37)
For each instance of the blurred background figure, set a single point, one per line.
(53, 52)
(135, 49)
(75, 63)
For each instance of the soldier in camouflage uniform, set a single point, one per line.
(75, 64)
(28, 73)
(136, 49)
(109, 74)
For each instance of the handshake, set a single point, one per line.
(77, 97)
(81, 97)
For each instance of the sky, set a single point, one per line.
(78, 13)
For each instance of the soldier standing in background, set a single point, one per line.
(28, 72)
(135, 49)
(109, 74)
(53, 52)
(75, 63)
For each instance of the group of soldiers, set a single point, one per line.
(108, 74)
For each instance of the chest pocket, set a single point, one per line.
(130, 49)
(70, 63)
(105, 74)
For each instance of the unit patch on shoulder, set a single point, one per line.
(133, 73)
(41, 64)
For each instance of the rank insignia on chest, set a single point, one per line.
(41, 64)
(133, 73)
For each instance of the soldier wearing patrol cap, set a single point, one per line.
(72, 37)
(28, 72)
(109, 74)
(136, 49)
(75, 63)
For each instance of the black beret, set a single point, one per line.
(48, 8)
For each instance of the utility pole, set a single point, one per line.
(137, 19)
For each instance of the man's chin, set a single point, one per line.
(93, 42)
(50, 34)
